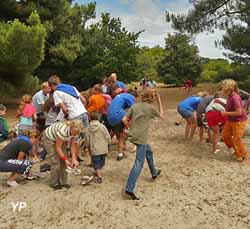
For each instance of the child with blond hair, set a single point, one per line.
(26, 113)
(138, 119)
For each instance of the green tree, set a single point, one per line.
(22, 50)
(106, 47)
(233, 16)
(216, 70)
(80, 54)
(181, 60)
(147, 62)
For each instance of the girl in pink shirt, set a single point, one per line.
(26, 114)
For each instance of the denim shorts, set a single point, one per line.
(98, 161)
(185, 113)
(84, 118)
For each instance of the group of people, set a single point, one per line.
(147, 83)
(59, 118)
(225, 113)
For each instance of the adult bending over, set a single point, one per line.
(55, 139)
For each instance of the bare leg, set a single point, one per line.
(188, 127)
(215, 134)
(193, 126)
(14, 176)
(201, 133)
(98, 173)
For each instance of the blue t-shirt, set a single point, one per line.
(120, 84)
(191, 103)
(38, 100)
(118, 106)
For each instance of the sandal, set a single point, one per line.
(86, 180)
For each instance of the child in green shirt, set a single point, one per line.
(4, 127)
(140, 115)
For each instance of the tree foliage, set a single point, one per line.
(148, 60)
(233, 16)
(216, 70)
(181, 60)
(22, 50)
(79, 53)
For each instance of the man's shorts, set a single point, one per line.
(184, 113)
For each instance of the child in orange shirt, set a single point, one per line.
(96, 100)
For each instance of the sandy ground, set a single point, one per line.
(196, 189)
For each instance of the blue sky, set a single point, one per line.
(149, 15)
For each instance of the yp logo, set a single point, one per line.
(18, 206)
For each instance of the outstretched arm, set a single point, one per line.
(160, 104)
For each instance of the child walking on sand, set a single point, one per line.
(140, 115)
(97, 140)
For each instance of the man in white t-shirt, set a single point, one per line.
(69, 100)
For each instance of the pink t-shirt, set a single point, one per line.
(29, 110)
(108, 100)
(233, 103)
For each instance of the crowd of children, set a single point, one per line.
(224, 112)
(58, 118)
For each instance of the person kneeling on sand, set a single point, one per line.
(55, 140)
(140, 115)
(12, 156)
(97, 140)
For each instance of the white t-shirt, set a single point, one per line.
(213, 105)
(38, 100)
(75, 106)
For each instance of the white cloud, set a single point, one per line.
(205, 42)
(149, 15)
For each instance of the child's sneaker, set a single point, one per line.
(157, 174)
(12, 183)
(98, 180)
(130, 195)
(216, 151)
(121, 156)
